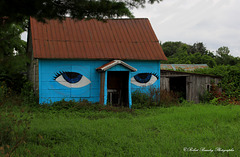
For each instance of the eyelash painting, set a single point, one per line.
(144, 79)
(71, 79)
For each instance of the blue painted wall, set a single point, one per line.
(53, 73)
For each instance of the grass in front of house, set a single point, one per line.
(142, 132)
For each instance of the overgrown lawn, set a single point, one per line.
(173, 131)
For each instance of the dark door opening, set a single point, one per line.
(117, 87)
(178, 86)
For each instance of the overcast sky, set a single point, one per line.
(216, 23)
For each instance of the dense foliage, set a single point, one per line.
(13, 58)
(181, 53)
(222, 64)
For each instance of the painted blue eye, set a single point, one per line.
(144, 79)
(71, 79)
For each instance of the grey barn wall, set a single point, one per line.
(33, 74)
(196, 84)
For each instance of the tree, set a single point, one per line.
(181, 53)
(12, 55)
(198, 47)
(170, 48)
(10, 40)
(16, 10)
(222, 51)
(224, 58)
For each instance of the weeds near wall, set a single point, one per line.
(169, 98)
(28, 96)
(216, 97)
(154, 97)
(83, 106)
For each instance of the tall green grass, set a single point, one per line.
(143, 132)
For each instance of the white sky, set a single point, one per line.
(216, 23)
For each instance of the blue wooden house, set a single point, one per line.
(93, 60)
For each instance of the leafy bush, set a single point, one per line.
(205, 97)
(230, 82)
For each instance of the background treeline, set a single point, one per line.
(181, 53)
(221, 64)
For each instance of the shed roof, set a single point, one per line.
(124, 39)
(180, 73)
(186, 67)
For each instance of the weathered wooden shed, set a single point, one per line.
(191, 86)
(93, 60)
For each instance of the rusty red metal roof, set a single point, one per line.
(124, 39)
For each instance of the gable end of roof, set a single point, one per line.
(113, 63)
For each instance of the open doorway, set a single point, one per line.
(178, 86)
(117, 88)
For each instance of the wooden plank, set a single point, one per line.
(102, 85)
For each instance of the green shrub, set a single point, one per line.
(28, 96)
(205, 97)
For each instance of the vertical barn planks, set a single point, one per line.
(196, 84)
